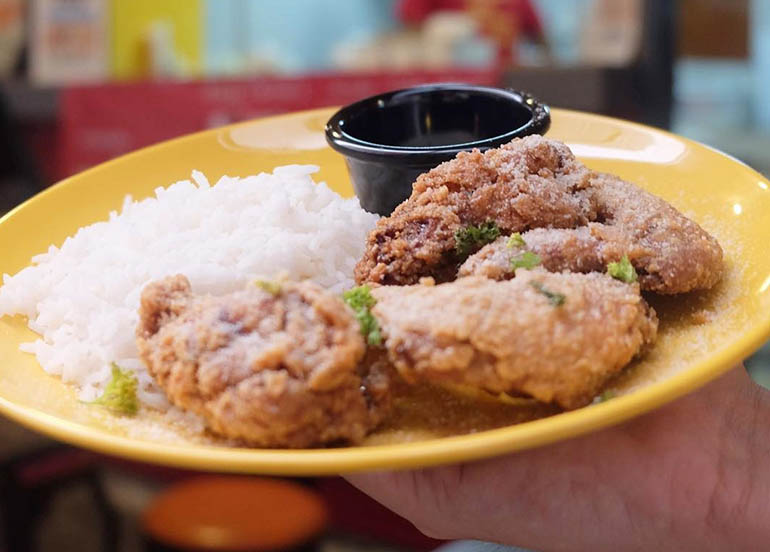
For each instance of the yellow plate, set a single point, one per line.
(702, 335)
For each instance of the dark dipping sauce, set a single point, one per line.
(440, 117)
(390, 139)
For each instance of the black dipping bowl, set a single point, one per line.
(390, 139)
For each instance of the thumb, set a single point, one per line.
(425, 497)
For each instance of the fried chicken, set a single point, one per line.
(572, 250)
(275, 367)
(555, 337)
(528, 183)
(578, 220)
(671, 253)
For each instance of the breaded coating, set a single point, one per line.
(531, 182)
(584, 249)
(273, 368)
(578, 221)
(670, 253)
(555, 337)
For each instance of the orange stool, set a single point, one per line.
(235, 514)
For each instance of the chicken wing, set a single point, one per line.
(555, 337)
(671, 253)
(528, 183)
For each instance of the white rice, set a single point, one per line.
(82, 298)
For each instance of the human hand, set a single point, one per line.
(693, 475)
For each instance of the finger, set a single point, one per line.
(425, 497)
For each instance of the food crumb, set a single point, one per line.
(702, 316)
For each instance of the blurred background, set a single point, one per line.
(82, 81)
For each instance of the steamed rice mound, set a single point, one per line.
(82, 298)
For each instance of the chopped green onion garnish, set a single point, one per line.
(271, 287)
(515, 241)
(120, 393)
(527, 260)
(471, 238)
(622, 270)
(361, 301)
(607, 395)
(556, 299)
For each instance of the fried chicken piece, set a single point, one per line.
(531, 182)
(671, 253)
(271, 369)
(584, 249)
(534, 183)
(555, 337)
